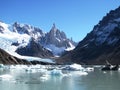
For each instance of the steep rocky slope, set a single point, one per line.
(6, 58)
(34, 49)
(101, 44)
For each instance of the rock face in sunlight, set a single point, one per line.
(102, 43)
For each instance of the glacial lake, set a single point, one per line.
(16, 79)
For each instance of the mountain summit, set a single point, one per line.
(56, 41)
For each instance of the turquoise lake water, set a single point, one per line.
(94, 80)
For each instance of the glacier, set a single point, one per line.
(7, 38)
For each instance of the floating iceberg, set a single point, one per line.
(6, 77)
(79, 73)
(88, 69)
(36, 68)
(1, 66)
(74, 67)
(44, 77)
(56, 72)
(18, 66)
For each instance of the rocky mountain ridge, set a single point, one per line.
(101, 44)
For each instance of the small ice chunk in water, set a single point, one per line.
(1, 66)
(79, 73)
(44, 77)
(6, 77)
(89, 69)
(56, 72)
(83, 73)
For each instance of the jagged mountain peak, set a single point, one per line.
(56, 33)
(54, 27)
(56, 41)
(28, 29)
(57, 37)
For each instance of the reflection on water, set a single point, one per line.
(23, 80)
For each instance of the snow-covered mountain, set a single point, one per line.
(7, 38)
(34, 49)
(54, 41)
(28, 29)
(102, 43)
(22, 40)
(10, 41)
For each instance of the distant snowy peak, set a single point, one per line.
(4, 28)
(58, 38)
(57, 42)
(27, 29)
(8, 37)
(57, 34)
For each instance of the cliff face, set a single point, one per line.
(102, 43)
(34, 49)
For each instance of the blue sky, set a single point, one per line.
(75, 17)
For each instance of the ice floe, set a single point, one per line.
(47, 71)
(56, 72)
(79, 73)
(74, 67)
(6, 77)
(44, 77)
(88, 69)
